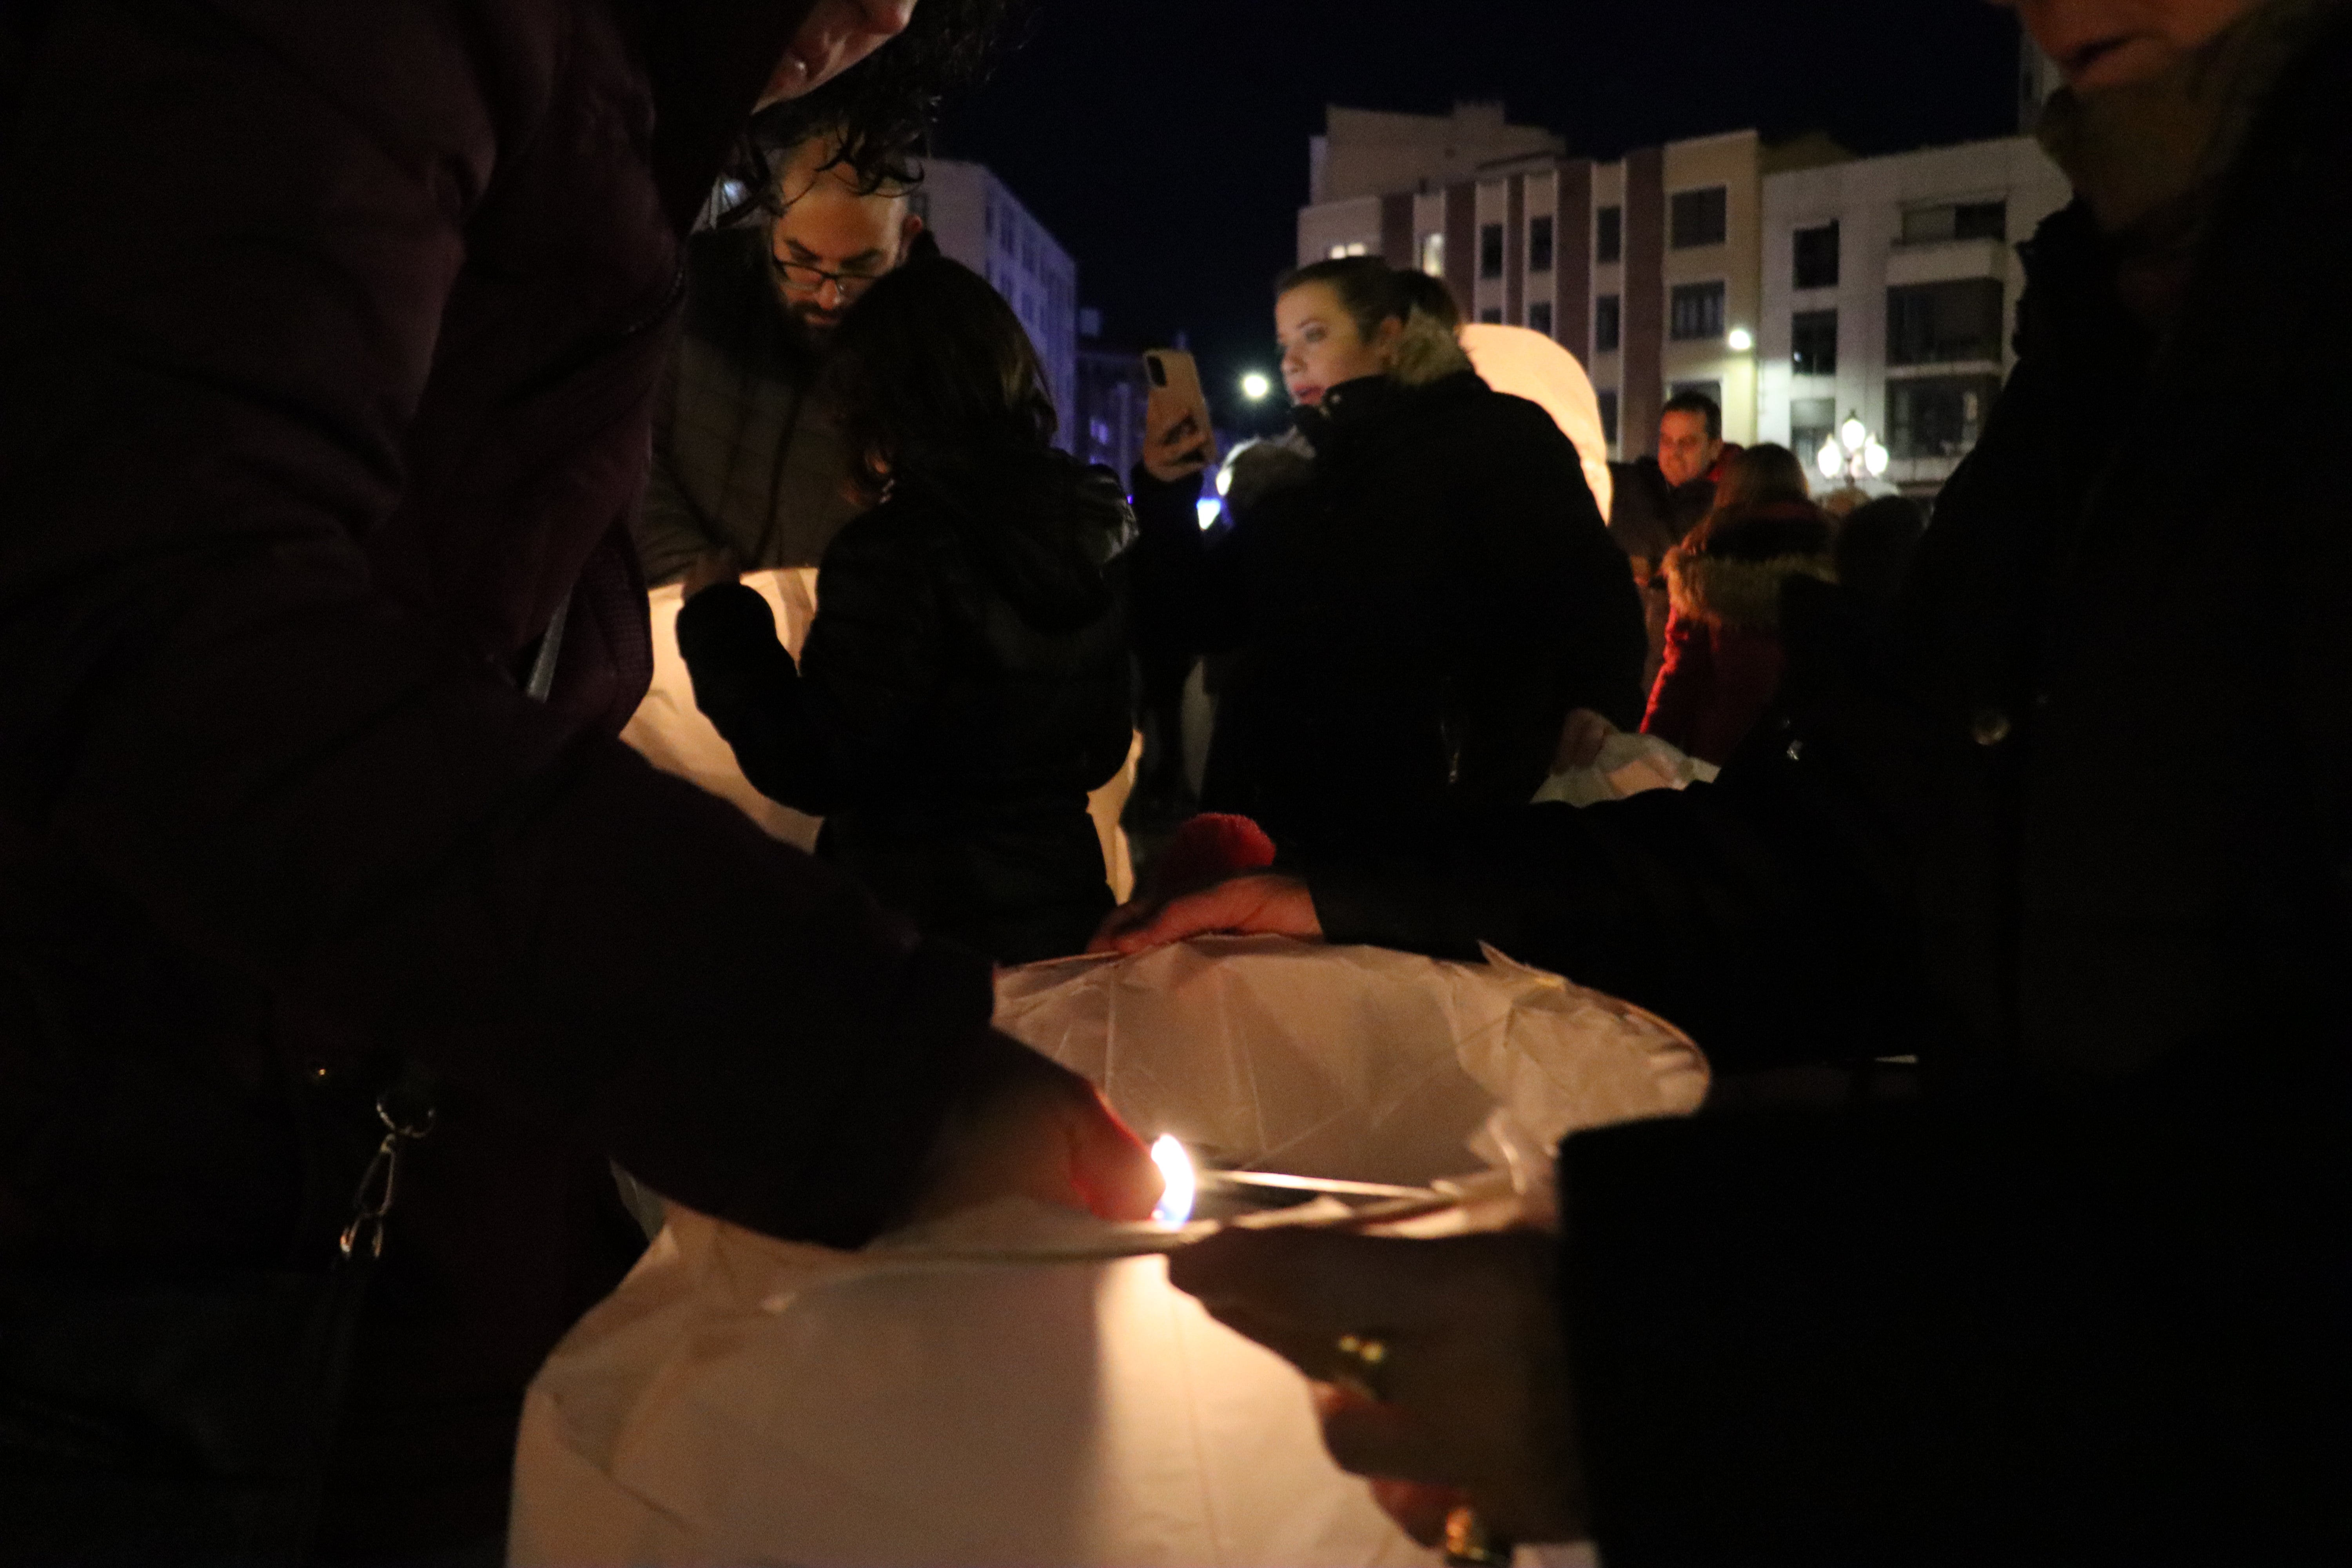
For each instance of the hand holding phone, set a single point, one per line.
(1178, 438)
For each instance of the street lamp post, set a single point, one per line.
(1854, 454)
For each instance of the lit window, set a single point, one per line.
(1432, 255)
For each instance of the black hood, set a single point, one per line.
(1040, 527)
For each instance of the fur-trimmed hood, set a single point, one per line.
(1426, 352)
(1730, 573)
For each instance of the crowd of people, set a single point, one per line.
(347, 953)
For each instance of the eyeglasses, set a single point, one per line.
(808, 279)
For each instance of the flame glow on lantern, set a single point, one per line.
(1176, 1170)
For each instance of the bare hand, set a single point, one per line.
(1040, 1131)
(1471, 1399)
(1174, 446)
(1581, 740)
(1260, 904)
(709, 570)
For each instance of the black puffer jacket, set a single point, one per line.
(964, 685)
(1415, 610)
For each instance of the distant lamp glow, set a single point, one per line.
(1206, 511)
(1255, 385)
(1742, 340)
(1854, 454)
(1176, 1171)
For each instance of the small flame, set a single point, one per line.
(1176, 1170)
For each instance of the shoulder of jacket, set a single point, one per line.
(1732, 591)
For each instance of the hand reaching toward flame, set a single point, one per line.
(1041, 1131)
(1264, 903)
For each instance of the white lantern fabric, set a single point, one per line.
(1629, 764)
(1012, 1385)
(1528, 364)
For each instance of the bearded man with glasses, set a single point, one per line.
(747, 463)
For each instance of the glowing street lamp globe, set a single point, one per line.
(1256, 385)
(1831, 458)
(1854, 433)
(1742, 340)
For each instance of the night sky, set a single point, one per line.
(1164, 141)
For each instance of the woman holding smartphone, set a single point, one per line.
(1417, 584)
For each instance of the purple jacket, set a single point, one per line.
(327, 337)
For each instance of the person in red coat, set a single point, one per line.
(1723, 658)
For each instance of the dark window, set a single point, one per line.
(1937, 415)
(1980, 220)
(1539, 241)
(1811, 421)
(1605, 324)
(1710, 390)
(1812, 342)
(1608, 235)
(1817, 257)
(1695, 312)
(1955, 220)
(1539, 317)
(1609, 418)
(1492, 315)
(1942, 323)
(1490, 251)
(1699, 218)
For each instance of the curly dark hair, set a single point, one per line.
(881, 110)
(931, 373)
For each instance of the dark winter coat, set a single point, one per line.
(1647, 516)
(301, 451)
(1723, 654)
(2081, 838)
(747, 457)
(1415, 610)
(965, 684)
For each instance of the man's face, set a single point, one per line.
(2100, 44)
(1685, 451)
(831, 242)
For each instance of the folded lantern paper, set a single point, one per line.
(1001, 1387)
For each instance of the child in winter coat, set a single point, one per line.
(1724, 657)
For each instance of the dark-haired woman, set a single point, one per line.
(1419, 587)
(965, 681)
(1724, 656)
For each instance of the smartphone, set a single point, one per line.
(1175, 393)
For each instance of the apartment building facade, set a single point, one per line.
(1889, 289)
(1648, 267)
(980, 221)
